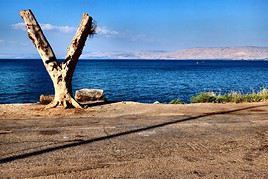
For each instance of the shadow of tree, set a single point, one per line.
(83, 142)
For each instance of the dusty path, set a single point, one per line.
(135, 140)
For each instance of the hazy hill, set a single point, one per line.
(233, 53)
(211, 53)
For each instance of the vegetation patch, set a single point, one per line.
(176, 101)
(232, 97)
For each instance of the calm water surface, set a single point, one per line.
(135, 80)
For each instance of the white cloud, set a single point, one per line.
(101, 30)
(47, 27)
(64, 29)
(19, 26)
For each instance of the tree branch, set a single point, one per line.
(39, 40)
(76, 47)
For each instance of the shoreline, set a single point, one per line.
(134, 102)
(117, 109)
(153, 59)
(110, 102)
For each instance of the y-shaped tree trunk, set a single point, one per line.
(60, 73)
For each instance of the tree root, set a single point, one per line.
(76, 104)
(53, 104)
(65, 103)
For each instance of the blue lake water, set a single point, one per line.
(135, 80)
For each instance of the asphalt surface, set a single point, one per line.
(132, 140)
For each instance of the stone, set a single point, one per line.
(89, 95)
(46, 99)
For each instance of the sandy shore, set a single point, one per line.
(135, 140)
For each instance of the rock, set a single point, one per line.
(46, 99)
(82, 96)
(89, 95)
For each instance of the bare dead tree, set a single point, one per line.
(60, 73)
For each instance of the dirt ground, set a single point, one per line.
(133, 140)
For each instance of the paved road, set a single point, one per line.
(131, 140)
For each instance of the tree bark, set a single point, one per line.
(60, 73)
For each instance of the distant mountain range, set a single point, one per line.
(228, 53)
(225, 53)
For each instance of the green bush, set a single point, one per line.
(234, 97)
(176, 101)
(207, 97)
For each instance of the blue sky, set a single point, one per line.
(137, 25)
